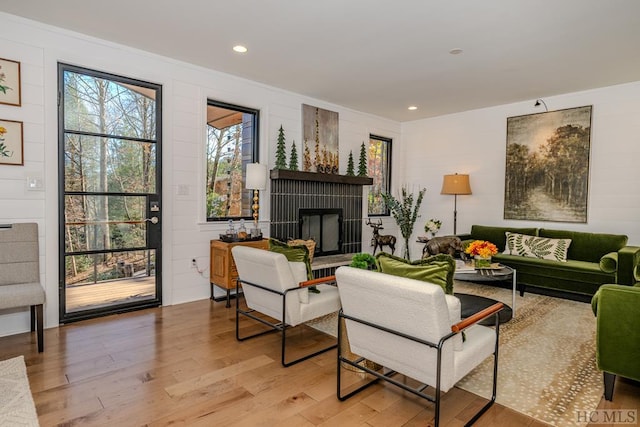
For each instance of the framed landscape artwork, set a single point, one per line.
(547, 166)
(319, 140)
(11, 148)
(10, 82)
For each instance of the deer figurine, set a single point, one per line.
(381, 240)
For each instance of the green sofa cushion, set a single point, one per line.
(609, 262)
(587, 246)
(294, 253)
(537, 247)
(497, 235)
(437, 269)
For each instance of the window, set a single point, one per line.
(232, 143)
(379, 168)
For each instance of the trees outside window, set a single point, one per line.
(379, 168)
(232, 142)
(110, 168)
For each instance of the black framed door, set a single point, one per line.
(110, 207)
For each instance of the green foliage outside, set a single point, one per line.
(377, 168)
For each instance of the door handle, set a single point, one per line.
(152, 220)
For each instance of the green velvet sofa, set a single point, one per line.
(593, 259)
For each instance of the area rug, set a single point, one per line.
(547, 366)
(16, 403)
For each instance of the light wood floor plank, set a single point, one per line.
(181, 365)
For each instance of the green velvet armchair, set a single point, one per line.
(617, 309)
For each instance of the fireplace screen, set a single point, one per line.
(325, 227)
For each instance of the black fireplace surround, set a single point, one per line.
(295, 195)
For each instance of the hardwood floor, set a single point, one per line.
(181, 365)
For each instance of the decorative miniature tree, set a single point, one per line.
(350, 165)
(281, 154)
(362, 164)
(293, 158)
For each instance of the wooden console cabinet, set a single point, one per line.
(222, 268)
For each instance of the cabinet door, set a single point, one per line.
(220, 259)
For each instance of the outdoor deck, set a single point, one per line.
(96, 295)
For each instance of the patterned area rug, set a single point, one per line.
(546, 367)
(16, 403)
(547, 363)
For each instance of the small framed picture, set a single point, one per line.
(11, 146)
(10, 82)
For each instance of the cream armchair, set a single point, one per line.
(410, 327)
(278, 288)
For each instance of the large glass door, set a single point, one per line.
(110, 187)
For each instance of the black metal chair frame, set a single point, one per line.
(275, 327)
(418, 391)
(37, 324)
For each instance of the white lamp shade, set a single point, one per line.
(256, 176)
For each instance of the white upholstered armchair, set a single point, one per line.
(411, 328)
(279, 289)
(20, 273)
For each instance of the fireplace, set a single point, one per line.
(324, 226)
(296, 191)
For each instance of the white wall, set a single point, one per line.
(474, 142)
(185, 89)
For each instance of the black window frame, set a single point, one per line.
(387, 171)
(255, 135)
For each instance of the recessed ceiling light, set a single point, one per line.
(456, 51)
(240, 49)
(413, 107)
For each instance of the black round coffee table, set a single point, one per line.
(471, 304)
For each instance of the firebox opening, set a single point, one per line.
(324, 226)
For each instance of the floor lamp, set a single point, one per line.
(256, 180)
(455, 184)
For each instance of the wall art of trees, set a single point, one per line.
(320, 129)
(547, 166)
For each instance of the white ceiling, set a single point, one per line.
(379, 56)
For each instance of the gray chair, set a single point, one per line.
(20, 273)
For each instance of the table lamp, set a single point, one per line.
(455, 184)
(256, 180)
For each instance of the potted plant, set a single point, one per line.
(432, 226)
(405, 213)
(364, 261)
